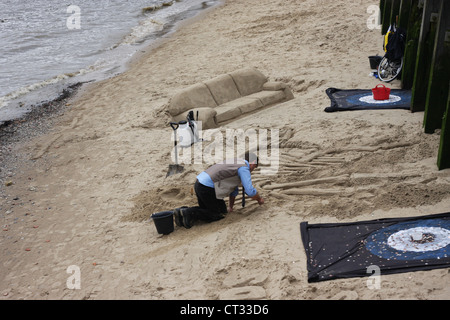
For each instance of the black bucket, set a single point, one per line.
(375, 62)
(163, 222)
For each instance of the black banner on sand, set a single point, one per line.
(345, 250)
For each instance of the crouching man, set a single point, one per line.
(216, 183)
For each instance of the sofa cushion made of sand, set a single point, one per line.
(227, 97)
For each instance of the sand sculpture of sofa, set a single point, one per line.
(227, 97)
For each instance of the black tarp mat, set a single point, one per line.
(361, 99)
(346, 250)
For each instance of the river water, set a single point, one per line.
(46, 45)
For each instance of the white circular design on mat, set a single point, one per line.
(370, 99)
(409, 240)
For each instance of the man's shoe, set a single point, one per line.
(178, 217)
(186, 218)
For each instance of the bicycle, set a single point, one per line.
(391, 65)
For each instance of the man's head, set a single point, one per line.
(252, 160)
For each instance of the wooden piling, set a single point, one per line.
(424, 54)
(395, 11)
(410, 19)
(380, 16)
(404, 13)
(386, 16)
(437, 93)
(444, 148)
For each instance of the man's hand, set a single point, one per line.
(259, 199)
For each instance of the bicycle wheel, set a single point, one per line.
(389, 70)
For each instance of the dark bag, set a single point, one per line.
(396, 45)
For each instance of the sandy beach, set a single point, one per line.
(81, 193)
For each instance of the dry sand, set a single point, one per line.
(85, 191)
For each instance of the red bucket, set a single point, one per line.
(380, 92)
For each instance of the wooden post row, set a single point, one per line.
(426, 61)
